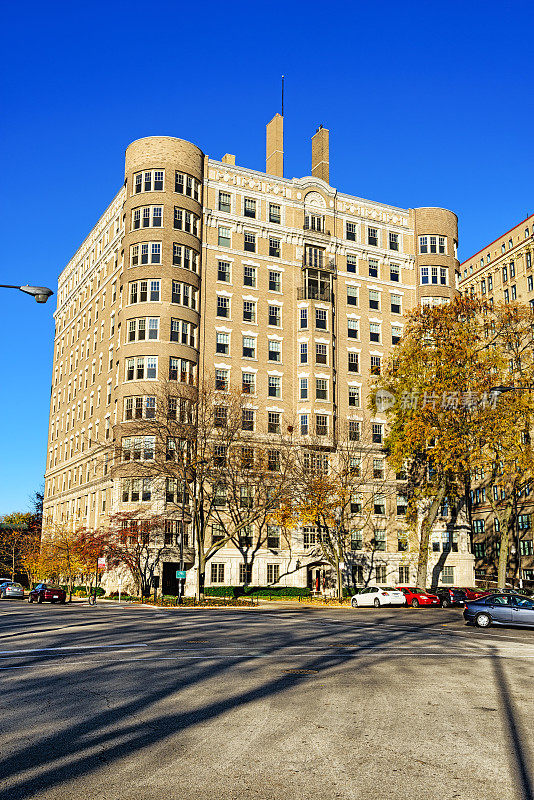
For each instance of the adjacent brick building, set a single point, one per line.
(501, 273)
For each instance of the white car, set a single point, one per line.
(376, 596)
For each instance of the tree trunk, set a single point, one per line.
(339, 583)
(503, 554)
(201, 574)
(426, 528)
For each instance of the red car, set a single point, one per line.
(48, 592)
(474, 594)
(416, 597)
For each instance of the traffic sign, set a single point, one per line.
(180, 574)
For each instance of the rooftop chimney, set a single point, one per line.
(274, 164)
(320, 154)
(228, 158)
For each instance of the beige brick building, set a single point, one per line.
(502, 273)
(287, 288)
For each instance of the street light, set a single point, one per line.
(41, 293)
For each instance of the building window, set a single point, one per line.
(182, 370)
(526, 547)
(352, 263)
(506, 296)
(273, 422)
(148, 181)
(223, 306)
(144, 291)
(375, 365)
(274, 384)
(514, 292)
(490, 283)
(373, 268)
(137, 329)
(374, 332)
(135, 490)
(447, 576)
(186, 221)
(224, 237)
(424, 275)
(321, 389)
(304, 425)
(249, 242)
(248, 383)
(352, 329)
(222, 343)
(314, 222)
(186, 184)
(145, 253)
(273, 573)
(303, 352)
(372, 237)
(217, 572)
(377, 431)
(379, 538)
(274, 247)
(249, 208)
(138, 448)
(183, 332)
(249, 276)
(404, 573)
(274, 281)
(225, 202)
(530, 283)
(354, 430)
(394, 272)
(275, 350)
(247, 419)
(303, 382)
(351, 231)
(352, 296)
(147, 217)
(374, 299)
(184, 257)
(378, 468)
(396, 304)
(393, 241)
(321, 424)
(523, 522)
(249, 311)
(221, 380)
(303, 318)
(245, 573)
(274, 316)
(141, 368)
(320, 353)
(353, 362)
(223, 271)
(274, 213)
(354, 396)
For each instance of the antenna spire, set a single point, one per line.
(282, 95)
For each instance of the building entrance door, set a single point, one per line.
(316, 577)
(169, 583)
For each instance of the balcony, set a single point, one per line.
(314, 293)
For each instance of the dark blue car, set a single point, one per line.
(500, 609)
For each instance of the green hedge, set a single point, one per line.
(79, 591)
(256, 591)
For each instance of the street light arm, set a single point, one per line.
(41, 293)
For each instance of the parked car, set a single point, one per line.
(450, 596)
(474, 594)
(378, 596)
(500, 609)
(10, 590)
(416, 597)
(47, 591)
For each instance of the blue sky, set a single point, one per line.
(427, 104)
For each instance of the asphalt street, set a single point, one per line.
(132, 703)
